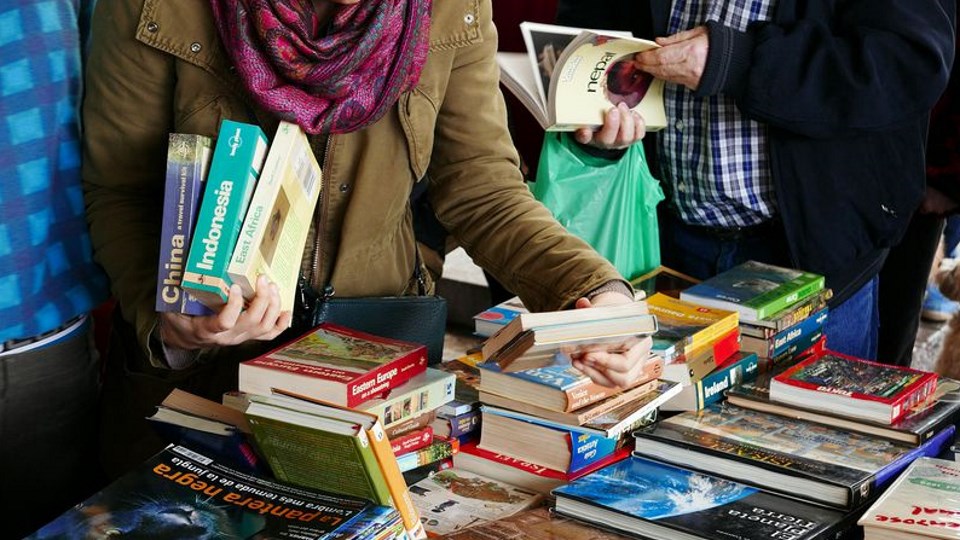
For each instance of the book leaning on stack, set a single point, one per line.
(181, 493)
(923, 504)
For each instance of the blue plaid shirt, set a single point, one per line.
(47, 275)
(715, 160)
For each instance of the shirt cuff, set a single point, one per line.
(616, 286)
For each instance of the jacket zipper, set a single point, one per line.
(320, 219)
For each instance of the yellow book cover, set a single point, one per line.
(686, 326)
(277, 222)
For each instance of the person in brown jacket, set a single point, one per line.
(391, 93)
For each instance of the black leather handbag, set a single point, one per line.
(417, 319)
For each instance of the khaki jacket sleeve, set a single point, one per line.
(479, 195)
(126, 115)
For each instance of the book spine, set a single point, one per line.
(411, 424)
(439, 450)
(236, 164)
(790, 293)
(410, 404)
(710, 389)
(386, 377)
(920, 392)
(187, 159)
(464, 423)
(411, 441)
(801, 311)
(586, 449)
(394, 482)
(782, 342)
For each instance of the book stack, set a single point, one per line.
(782, 311)
(248, 216)
(182, 493)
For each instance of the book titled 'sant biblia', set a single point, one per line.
(569, 77)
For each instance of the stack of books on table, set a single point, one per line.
(182, 493)
(923, 504)
(782, 311)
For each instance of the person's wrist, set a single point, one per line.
(613, 286)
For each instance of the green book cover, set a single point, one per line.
(237, 160)
(318, 453)
(755, 290)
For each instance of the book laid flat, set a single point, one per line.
(708, 390)
(924, 503)
(783, 455)
(682, 326)
(235, 167)
(466, 392)
(547, 345)
(304, 441)
(612, 423)
(180, 493)
(755, 290)
(528, 321)
(489, 321)
(458, 426)
(374, 522)
(439, 450)
(559, 387)
(536, 524)
(853, 387)
(918, 425)
(188, 158)
(335, 364)
(780, 343)
(420, 394)
(277, 221)
(788, 316)
(569, 77)
(522, 473)
(664, 502)
(454, 499)
(696, 364)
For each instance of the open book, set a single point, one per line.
(569, 77)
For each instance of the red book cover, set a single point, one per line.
(335, 364)
(832, 376)
(414, 440)
(725, 347)
(538, 470)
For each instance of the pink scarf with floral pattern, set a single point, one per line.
(334, 79)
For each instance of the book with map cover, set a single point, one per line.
(923, 504)
(656, 500)
(853, 387)
(788, 456)
(754, 289)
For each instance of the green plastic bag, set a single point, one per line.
(611, 205)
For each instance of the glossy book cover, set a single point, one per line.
(676, 499)
(924, 501)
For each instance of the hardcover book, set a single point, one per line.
(853, 387)
(780, 343)
(682, 326)
(918, 425)
(570, 77)
(235, 167)
(188, 158)
(613, 422)
(656, 500)
(754, 289)
(559, 387)
(306, 440)
(454, 499)
(180, 493)
(536, 524)
(780, 454)
(921, 505)
(335, 364)
(420, 394)
(278, 218)
(710, 389)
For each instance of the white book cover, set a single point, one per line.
(924, 502)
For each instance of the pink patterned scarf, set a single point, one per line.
(333, 81)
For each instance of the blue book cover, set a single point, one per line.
(783, 341)
(648, 498)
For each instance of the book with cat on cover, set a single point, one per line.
(558, 387)
(180, 493)
(569, 77)
(454, 499)
(754, 289)
(853, 387)
(234, 169)
(656, 500)
(188, 158)
(919, 424)
(923, 504)
(683, 327)
(278, 219)
(788, 456)
(335, 364)
(325, 446)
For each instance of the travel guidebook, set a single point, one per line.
(682, 326)
(569, 77)
(924, 503)
(180, 493)
(853, 387)
(788, 456)
(755, 290)
(660, 501)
